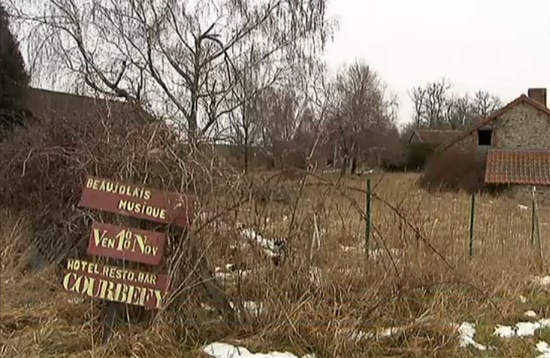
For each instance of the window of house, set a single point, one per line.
(485, 137)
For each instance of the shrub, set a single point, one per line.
(455, 170)
(394, 158)
(43, 169)
(418, 155)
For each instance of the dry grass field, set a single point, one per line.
(405, 299)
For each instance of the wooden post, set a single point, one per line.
(472, 223)
(533, 217)
(368, 222)
(535, 230)
(110, 311)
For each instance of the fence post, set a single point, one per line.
(368, 222)
(535, 229)
(472, 223)
(533, 216)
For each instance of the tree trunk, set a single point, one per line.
(246, 151)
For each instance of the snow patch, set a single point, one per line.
(251, 307)
(521, 329)
(530, 314)
(542, 281)
(271, 247)
(466, 333)
(543, 348)
(224, 350)
(229, 273)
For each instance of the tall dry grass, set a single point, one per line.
(418, 279)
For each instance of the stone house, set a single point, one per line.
(516, 142)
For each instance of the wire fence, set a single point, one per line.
(456, 223)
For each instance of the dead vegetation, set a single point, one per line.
(324, 294)
(327, 297)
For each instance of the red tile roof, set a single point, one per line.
(521, 99)
(518, 166)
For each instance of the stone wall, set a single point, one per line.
(520, 127)
(468, 143)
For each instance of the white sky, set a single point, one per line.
(501, 46)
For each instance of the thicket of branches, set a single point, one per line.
(239, 72)
(189, 60)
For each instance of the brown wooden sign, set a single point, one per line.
(139, 202)
(115, 284)
(125, 243)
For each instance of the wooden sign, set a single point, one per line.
(139, 202)
(124, 243)
(115, 284)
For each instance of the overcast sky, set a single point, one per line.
(501, 46)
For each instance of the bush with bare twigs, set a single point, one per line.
(455, 170)
(44, 168)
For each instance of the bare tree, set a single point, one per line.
(245, 121)
(282, 114)
(431, 103)
(459, 111)
(321, 93)
(485, 103)
(363, 110)
(436, 106)
(176, 55)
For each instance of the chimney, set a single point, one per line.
(538, 94)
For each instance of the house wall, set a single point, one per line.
(522, 127)
(467, 143)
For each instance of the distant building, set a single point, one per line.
(516, 141)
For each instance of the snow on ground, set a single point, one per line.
(228, 274)
(271, 247)
(466, 333)
(521, 329)
(543, 348)
(224, 350)
(543, 282)
(250, 307)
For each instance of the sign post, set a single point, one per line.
(113, 283)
